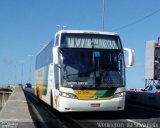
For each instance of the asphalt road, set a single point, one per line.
(41, 116)
(134, 116)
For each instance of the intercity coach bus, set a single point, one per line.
(83, 71)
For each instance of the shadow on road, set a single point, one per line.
(130, 112)
(39, 114)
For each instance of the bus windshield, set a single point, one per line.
(92, 68)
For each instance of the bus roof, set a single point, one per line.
(44, 46)
(86, 32)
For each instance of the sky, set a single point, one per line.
(27, 25)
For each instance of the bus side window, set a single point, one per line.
(56, 75)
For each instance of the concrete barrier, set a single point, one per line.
(4, 95)
(20, 112)
(143, 98)
(16, 107)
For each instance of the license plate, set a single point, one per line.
(95, 105)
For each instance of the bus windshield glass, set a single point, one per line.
(92, 60)
(92, 68)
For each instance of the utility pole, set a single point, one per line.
(103, 13)
(22, 73)
(29, 79)
(15, 77)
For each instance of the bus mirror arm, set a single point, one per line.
(129, 61)
(56, 55)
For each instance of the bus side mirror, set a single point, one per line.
(129, 59)
(56, 55)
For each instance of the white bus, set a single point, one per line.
(83, 71)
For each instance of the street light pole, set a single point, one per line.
(103, 13)
(22, 73)
(15, 66)
(30, 67)
(61, 27)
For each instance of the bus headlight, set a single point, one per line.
(119, 94)
(68, 95)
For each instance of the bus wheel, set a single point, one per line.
(51, 99)
(38, 96)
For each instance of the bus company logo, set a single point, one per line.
(95, 97)
(83, 92)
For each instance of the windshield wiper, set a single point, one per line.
(110, 88)
(105, 88)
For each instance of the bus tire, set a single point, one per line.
(51, 99)
(38, 96)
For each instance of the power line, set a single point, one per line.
(137, 21)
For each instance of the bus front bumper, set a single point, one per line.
(69, 105)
